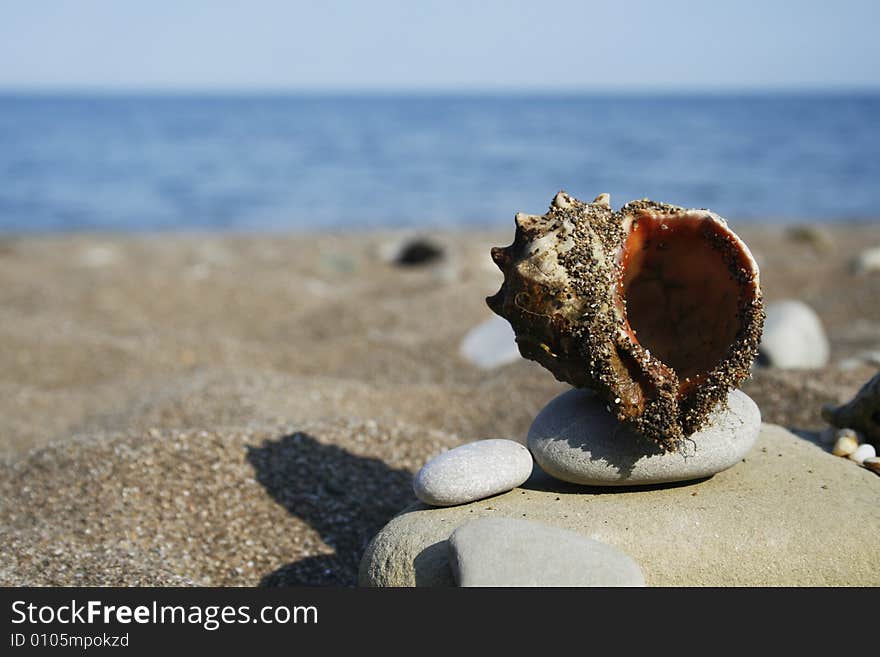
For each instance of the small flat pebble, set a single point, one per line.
(490, 344)
(862, 452)
(473, 471)
(576, 439)
(512, 552)
(794, 337)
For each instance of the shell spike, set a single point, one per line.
(604, 200)
(500, 255)
(562, 200)
(526, 221)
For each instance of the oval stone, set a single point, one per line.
(794, 337)
(514, 552)
(576, 439)
(490, 344)
(473, 471)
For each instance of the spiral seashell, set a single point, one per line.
(656, 307)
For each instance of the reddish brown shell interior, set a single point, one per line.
(681, 298)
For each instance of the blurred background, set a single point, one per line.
(273, 115)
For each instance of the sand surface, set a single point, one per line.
(251, 409)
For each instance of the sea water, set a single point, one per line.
(291, 162)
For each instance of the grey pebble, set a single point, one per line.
(794, 337)
(490, 344)
(867, 261)
(575, 438)
(513, 552)
(473, 471)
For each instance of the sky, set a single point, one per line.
(388, 45)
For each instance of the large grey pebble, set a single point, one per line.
(490, 344)
(473, 471)
(794, 337)
(513, 552)
(575, 438)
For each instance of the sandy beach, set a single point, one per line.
(250, 410)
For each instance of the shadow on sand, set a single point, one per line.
(346, 498)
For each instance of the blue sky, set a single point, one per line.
(428, 45)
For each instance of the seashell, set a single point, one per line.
(845, 445)
(872, 463)
(846, 432)
(861, 413)
(656, 307)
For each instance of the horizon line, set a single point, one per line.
(123, 90)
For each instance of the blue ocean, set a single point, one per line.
(305, 162)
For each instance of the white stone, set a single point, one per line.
(867, 261)
(513, 552)
(576, 439)
(862, 452)
(794, 337)
(473, 471)
(490, 344)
